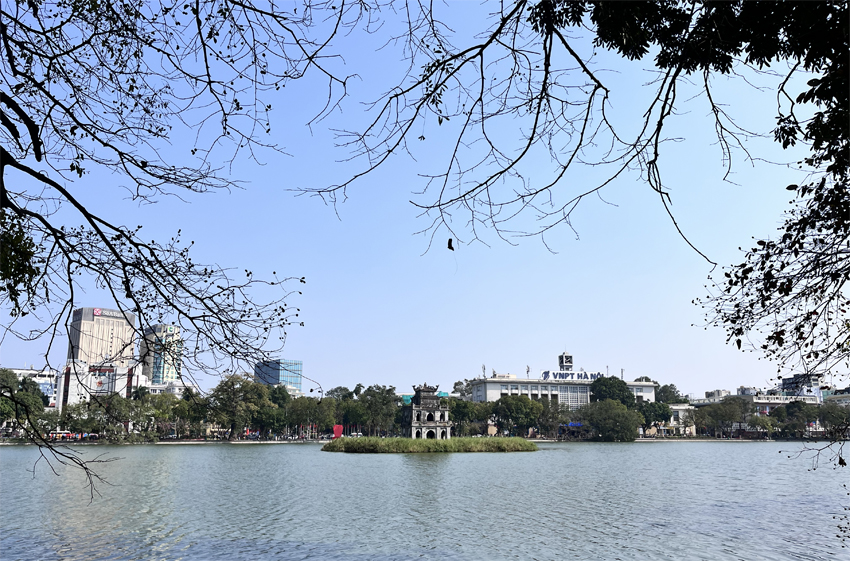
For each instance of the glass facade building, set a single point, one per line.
(281, 371)
(161, 353)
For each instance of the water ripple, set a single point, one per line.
(677, 501)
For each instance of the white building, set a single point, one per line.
(839, 397)
(565, 386)
(102, 336)
(678, 425)
(45, 378)
(175, 387)
(78, 382)
(763, 401)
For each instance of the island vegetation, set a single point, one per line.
(373, 445)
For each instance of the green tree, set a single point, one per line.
(340, 393)
(799, 415)
(611, 388)
(669, 393)
(139, 393)
(381, 404)
(326, 414)
(780, 414)
(516, 414)
(30, 386)
(463, 388)
(164, 415)
(551, 418)
(701, 420)
(762, 423)
(611, 421)
(789, 293)
(462, 413)
(279, 396)
(22, 403)
(688, 419)
(654, 414)
(234, 402)
(109, 413)
(469, 417)
(740, 408)
(835, 420)
(190, 412)
(354, 415)
(8, 387)
(48, 421)
(731, 410)
(78, 418)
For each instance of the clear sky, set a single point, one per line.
(381, 307)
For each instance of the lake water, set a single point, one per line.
(642, 501)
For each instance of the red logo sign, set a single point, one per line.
(97, 311)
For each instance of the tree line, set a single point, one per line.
(239, 408)
(236, 408)
(735, 416)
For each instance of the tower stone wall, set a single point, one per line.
(426, 417)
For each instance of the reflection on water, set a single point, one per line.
(643, 501)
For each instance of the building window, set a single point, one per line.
(514, 387)
(504, 387)
(534, 389)
(524, 388)
(573, 396)
(544, 388)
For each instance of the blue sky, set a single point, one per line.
(380, 307)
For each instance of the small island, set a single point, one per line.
(374, 445)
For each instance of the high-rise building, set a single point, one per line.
(102, 336)
(161, 354)
(281, 371)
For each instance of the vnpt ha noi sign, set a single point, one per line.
(555, 375)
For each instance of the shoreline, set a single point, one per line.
(166, 443)
(323, 442)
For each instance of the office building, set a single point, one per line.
(101, 336)
(161, 354)
(280, 372)
(565, 386)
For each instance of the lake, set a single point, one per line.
(641, 501)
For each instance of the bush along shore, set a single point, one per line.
(419, 446)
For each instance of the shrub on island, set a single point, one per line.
(414, 446)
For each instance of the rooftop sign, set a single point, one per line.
(560, 375)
